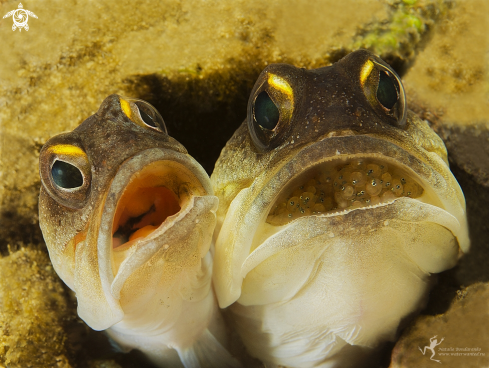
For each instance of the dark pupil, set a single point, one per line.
(386, 92)
(266, 113)
(146, 118)
(66, 175)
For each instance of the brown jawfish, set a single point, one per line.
(336, 203)
(128, 217)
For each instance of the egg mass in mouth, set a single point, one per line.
(334, 186)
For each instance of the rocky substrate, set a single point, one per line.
(201, 90)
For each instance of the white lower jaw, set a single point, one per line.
(323, 282)
(166, 239)
(170, 314)
(128, 257)
(350, 224)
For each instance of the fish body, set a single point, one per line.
(336, 204)
(128, 216)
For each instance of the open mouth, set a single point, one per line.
(340, 185)
(159, 202)
(155, 193)
(141, 210)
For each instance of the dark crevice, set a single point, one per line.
(16, 230)
(200, 113)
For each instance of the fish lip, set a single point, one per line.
(258, 199)
(120, 181)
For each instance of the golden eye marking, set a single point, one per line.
(126, 108)
(365, 72)
(280, 84)
(67, 149)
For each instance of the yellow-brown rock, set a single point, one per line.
(463, 329)
(33, 312)
(452, 73)
(196, 62)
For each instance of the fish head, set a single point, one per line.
(327, 157)
(124, 211)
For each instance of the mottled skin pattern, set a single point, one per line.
(153, 292)
(305, 290)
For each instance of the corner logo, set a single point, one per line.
(433, 343)
(20, 18)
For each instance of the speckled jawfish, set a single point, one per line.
(128, 216)
(336, 205)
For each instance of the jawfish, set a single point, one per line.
(128, 217)
(336, 204)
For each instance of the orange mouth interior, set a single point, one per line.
(140, 211)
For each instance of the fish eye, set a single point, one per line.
(266, 113)
(143, 114)
(384, 90)
(271, 105)
(150, 116)
(66, 175)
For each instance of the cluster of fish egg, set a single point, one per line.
(355, 184)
